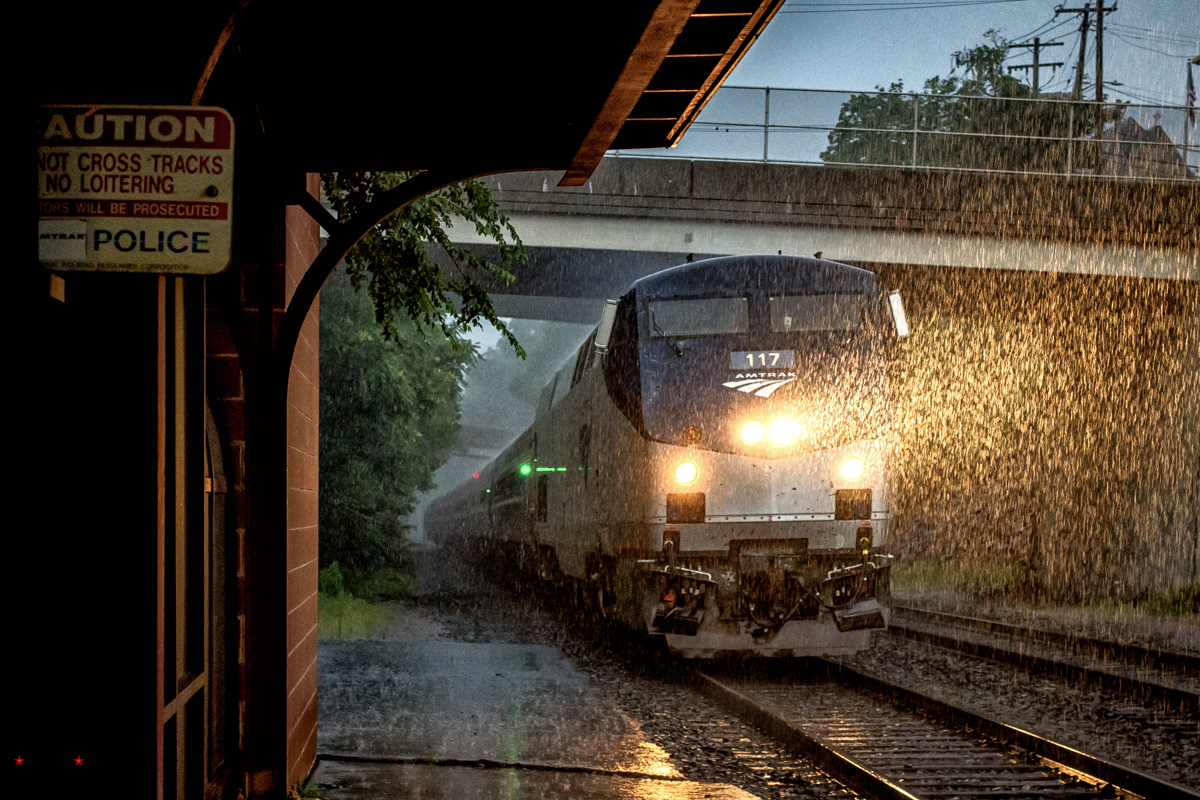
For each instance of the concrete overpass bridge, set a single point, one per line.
(638, 215)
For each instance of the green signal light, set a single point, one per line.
(526, 469)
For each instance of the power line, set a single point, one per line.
(1161, 35)
(1040, 29)
(1066, 76)
(1149, 49)
(1182, 41)
(1193, 46)
(1153, 100)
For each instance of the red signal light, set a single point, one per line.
(476, 476)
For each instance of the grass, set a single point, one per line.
(1178, 603)
(342, 616)
(995, 579)
(302, 789)
(976, 577)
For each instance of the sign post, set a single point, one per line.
(135, 188)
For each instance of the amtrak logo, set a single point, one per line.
(761, 384)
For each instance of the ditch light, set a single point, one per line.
(898, 316)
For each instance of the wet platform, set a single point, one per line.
(371, 781)
(419, 716)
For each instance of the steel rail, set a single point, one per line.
(1121, 775)
(878, 782)
(1131, 653)
(822, 753)
(1094, 674)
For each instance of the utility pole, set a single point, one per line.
(1100, 50)
(1083, 29)
(1100, 83)
(1037, 64)
(1100, 11)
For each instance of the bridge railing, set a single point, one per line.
(1048, 136)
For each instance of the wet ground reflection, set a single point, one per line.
(416, 715)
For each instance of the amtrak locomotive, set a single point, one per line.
(711, 466)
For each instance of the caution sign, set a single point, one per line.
(135, 188)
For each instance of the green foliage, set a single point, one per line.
(303, 789)
(987, 578)
(347, 617)
(394, 261)
(1185, 601)
(380, 585)
(331, 581)
(389, 416)
(392, 365)
(981, 106)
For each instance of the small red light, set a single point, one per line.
(476, 476)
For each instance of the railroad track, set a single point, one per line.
(1150, 674)
(889, 742)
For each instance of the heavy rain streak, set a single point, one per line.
(858, 401)
(697, 399)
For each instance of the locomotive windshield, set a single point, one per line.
(816, 312)
(703, 346)
(710, 316)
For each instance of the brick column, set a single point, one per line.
(303, 405)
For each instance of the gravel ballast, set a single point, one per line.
(1154, 739)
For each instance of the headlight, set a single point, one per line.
(783, 431)
(753, 433)
(853, 468)
(686, 472)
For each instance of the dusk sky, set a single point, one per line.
(820, 44)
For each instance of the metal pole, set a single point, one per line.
(1083, 29)
(1186, 143)
(1070, 138)
(916, 123)
(1037, 66)
(1099, 85)
(766, 119)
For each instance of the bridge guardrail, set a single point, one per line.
(1044, 136)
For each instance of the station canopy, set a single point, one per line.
(357, 85)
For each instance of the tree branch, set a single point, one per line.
(340, 241)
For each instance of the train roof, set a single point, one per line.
(735, 275)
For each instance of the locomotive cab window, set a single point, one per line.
(816, 312)
(712, 316)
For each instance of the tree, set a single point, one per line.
(389, 417)
(394, 261)
(393, 359)
(986, 114)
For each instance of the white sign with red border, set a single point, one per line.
(135, 188)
